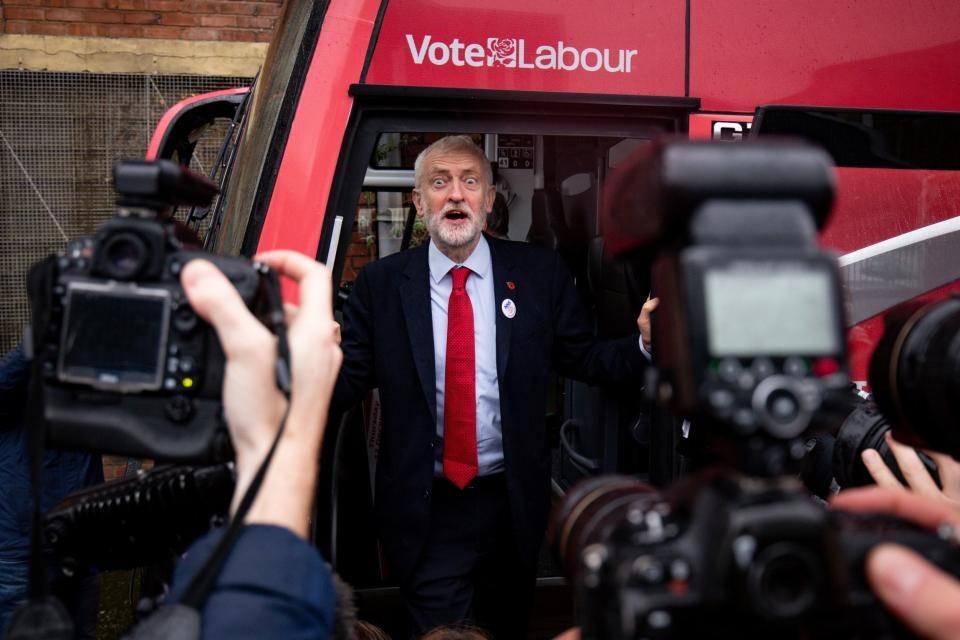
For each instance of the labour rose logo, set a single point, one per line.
(503, 52)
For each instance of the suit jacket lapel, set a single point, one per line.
(502, 274)
(415, 298)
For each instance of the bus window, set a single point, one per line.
(379, 225)
(399, 150)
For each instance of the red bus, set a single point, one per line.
(558, 92)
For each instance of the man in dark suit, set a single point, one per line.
(459, 336)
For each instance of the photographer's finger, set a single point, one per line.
(879, 471)
(921, 510)
(918, 593)
(290, 312)
(288, 263)
(912, 468)
(949, 471)
(216, 300)
(316, 288)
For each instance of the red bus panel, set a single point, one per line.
(538, 45)
(861, 53)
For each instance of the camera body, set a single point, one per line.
(749, 342)
(127, 366)
(729, 556)
(753, 337)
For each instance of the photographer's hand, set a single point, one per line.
(643, 322)
(253, 406)
(921, 595)
(914, 472)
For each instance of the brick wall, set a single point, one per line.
(148, 37)
(202, 20)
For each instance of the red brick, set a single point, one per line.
(44, 28)
(102, 16)
(141, 17)
(39, 3)
(73, 15)
(83, 29)
(157, 31)
(202, 34)
(255, 22)
(119, 31)
(16, 27)
(21, 13)
(134, 5)
(235, 8)
(180, 19)
(87, 4)
(218, 21)
(238, 35)
(269, 10)
(163, 5)
(357, 249)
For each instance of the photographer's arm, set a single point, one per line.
(274, 582)
(252, 404)
(921, 595)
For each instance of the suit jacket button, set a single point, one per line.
(426, 494)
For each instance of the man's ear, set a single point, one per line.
(418, 200)
(488, 201)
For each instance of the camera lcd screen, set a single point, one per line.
(114, 336)
(770, 312)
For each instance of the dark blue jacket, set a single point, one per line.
(388, 343)
(273, 585)
(63, 472)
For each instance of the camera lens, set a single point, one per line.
(123, 255)
(589, 513)
(783, 581)
(915, 374)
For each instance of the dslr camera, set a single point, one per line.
(127, 367)
(749, 342)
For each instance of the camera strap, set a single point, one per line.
(42, 616)
(182, 619)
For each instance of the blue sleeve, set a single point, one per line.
(14, 374)
(273, 585)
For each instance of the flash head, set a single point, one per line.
(652, 197)
(160, 185)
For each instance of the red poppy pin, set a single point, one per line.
(511, 285)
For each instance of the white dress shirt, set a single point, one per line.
(480, 289)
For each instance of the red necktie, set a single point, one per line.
(459, 396)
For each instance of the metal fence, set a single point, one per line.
(60, 134)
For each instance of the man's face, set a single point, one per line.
(453, 199)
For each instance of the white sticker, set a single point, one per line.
(509, 309)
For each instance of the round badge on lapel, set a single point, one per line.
(508, 308)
